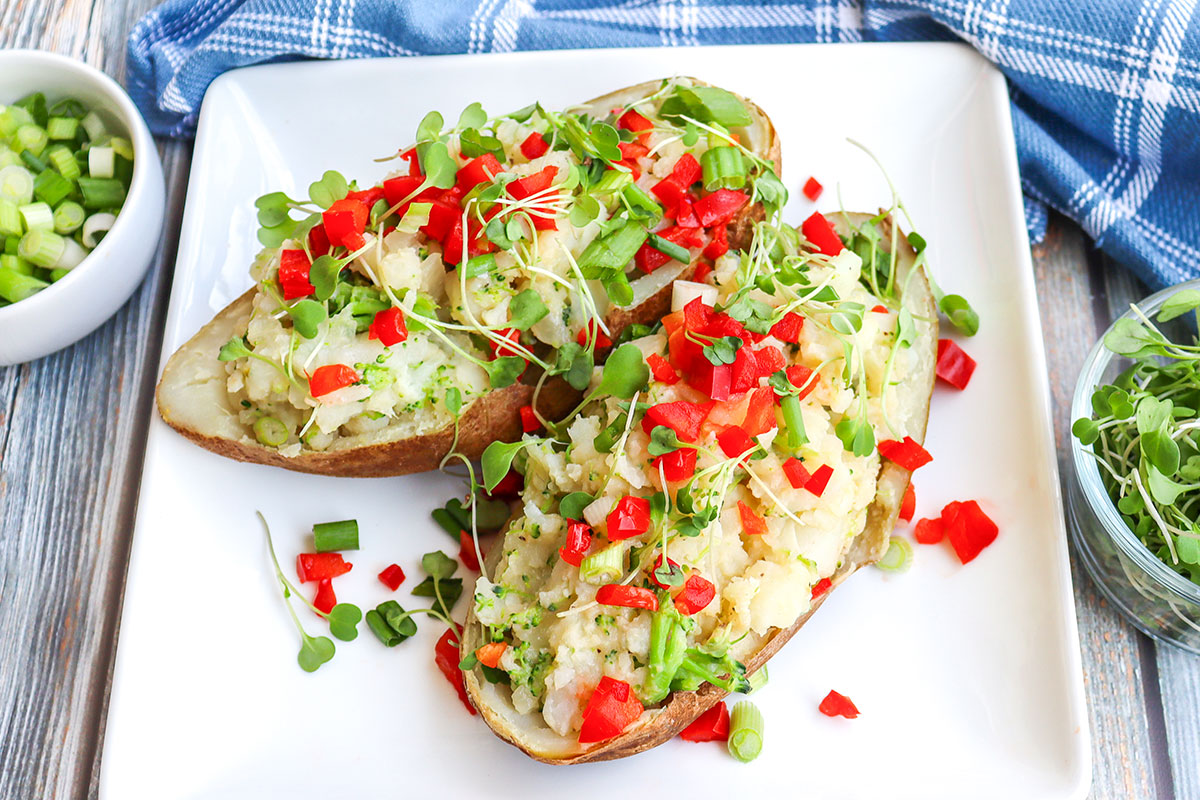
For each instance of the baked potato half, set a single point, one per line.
(387, 327)
(731, 546)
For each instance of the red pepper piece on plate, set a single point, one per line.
(819, 480)
(293, 274)
(968, 528)
(796, 474)
(821, 235)
(321, 566)
(696, 594)
(678, 465)
(906, 453)
(489, 654)
(711, 726)
(801, 377)
(388, 327)
(612, 708)
(821, 587)
(670, 193)
(697, 315)
(880, 309)
(397, 190)
(631, 517)
(614, 594)
(330, 378)
(325, 598)
(929, 531)
(534, 146)
(579, 541)
(812, 188)
(509, 486)
(345, 222)
(954, 366)
(752, 524)
(483, 169)
(788, 329)
(632, 151)
(414, 164)
(467, 553)
(908, 504)
(392, 576)
(838, 705)
(446, 657)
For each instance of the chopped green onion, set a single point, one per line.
(93, 125)
(63, 160)
(68, 107)
(35, 104)
(10, 244)
(122, 147)
(268, 430)
(397, 619)
(15, 287)
(605, 566)
(723, 168)
(8, 156)
(16, 184)
(669, 248)
(51, 187)
(668, 648)
(416, 216)
(95, 226)
(332, 536)
(100, 162)
(898, 558)
(101, 192)
(758, 679)
(42, 247)
(16, 264)
(72, 255)
(58, 274)
(61, 127)
(37, 216)
(10, 218)
(381, 629)
(793, 420)
(746, 726)
(636, 197)
(32, 138)
(13, 118)
(123, 170)
(612, 181)
(67, 217)
(612, 252)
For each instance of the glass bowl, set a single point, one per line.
(1156, 599)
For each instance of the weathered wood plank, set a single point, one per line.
(1112, 667)
(72, 432)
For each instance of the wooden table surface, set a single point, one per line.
(72, 435)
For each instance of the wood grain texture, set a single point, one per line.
(72, 433)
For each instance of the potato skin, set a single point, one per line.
(493, 417)
(682, 708)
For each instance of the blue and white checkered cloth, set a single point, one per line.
(1106, 93)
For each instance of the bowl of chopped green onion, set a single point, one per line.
(81, 201)
(1134, 501)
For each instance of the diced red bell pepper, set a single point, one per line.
(734, 441)
(661, 369)
(714, 380)
(592, 331)
(293, 274)
(631, 517)
(796, 474)
(725, 325)
(635, 122)
(696, 594)
(719, 245)
(579, 541)
(720, 206)
(632, 151)
(788, 329)
(414, 164)
(368, 197)
(392, 576)
(821, 587)
(509, 486)
(345, 222)
(489, 654)
(682, 352)
(821, 235)
(769, 360)
(482, 169)
(532, 184)
(330, 378)
(318, 242)
(397, 190)
(954, 366)
(907, 453)
(452, 247)
(612, 708)
(697, 315)
(325, 598)
(812, 188)
(760, 413)
(819, 480)
(880, 309)
(752, 524)
(686, 170)
(799, 376)
(442, 219)
(467, 553)
(678, 465)
(744, 375)
(321, 566)
(968, 528)
(388, 327)
(446, 656)
(648, 259)
(529, 420)
(534, 146)
(501, 349)
(908, 504)
(614, 594)
(681, 416)
(670, 192)
(838, 705)
(685, 217)
(711, 726)
(929, 531)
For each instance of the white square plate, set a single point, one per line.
(968, 678)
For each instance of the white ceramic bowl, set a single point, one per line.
(82, 300)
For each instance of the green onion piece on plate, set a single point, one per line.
(745, 731)
(898, 558)
(604, 566)
(331, 536)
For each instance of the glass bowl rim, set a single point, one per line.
(1088, 474)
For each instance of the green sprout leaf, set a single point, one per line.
(454, 401)
(572, 506)
(1178, 304)
(497, 460)
(438, 565)
(314, 651)
(504, 371)
(526, 310)
(722, 351)
(327, 191)
(323, 275)
(575, 363)
(430, 127)
(663, 440)
(473, 116)
(440, 167)
(625, 373)
(960, 314)
(856, 435)
(343, 621)
(234, 349)
(307, 316)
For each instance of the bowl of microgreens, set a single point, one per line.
(1135, 498)
(81, 201)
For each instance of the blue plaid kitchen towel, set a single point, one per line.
(1105, 93)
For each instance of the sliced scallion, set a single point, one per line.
(605, 566)
(68, 217)
(723, 168)
(758, 679)
(102, 192)
(268, 430)
(42, 247)
(746, 726)
(71, 256)
(15, 287)
(32, 138)
(95, 226)
(13, 118)
(612, 252)
(122, 147)
(57, 275)
(793, 420)
(93, 125)
(51, 187)
(100, 162)
(416, 216)
(37, 216)
(381, 629)
(16, 264)
(332, 536)
(16, 184)
(10, 218)
(62, 127)
(898, 558)
(669, 248)
(8, 157)
(63, 160)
